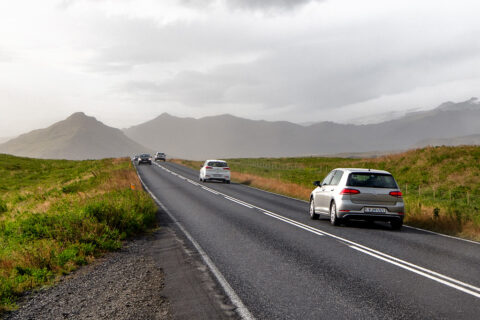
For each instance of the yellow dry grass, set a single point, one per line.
(123, 178)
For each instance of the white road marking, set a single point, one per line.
(475, 294)
(240, 203)
(234, 298)
(451, 282)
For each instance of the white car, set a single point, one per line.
(215, 170)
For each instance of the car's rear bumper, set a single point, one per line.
(371, 217)
(349, 210)
(221, 178)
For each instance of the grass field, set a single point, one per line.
(441, 185)
(57, 215)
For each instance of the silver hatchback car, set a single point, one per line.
(364, 194)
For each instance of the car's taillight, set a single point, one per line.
(226, 168)
(397, 194)
(349, 191)
(208, 167)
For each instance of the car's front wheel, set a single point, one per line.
(313, 215)
(334, 220)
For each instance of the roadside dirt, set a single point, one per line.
(155, 276)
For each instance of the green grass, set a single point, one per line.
(57, 215)
(441, 185)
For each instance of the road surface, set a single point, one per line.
(282, 265)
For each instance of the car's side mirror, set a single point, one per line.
(316, 183)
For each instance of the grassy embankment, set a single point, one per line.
(441, 185)
(57, 215)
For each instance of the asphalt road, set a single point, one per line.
(283, 265)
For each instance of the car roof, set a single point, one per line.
(363, 170)
(216, 160)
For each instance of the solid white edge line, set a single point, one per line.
(232, 295)
(404, 263)
(419, 272)
(443, 235)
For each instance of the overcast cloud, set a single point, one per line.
(127, 61)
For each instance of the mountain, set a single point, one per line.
(227, 136)
(76, 138)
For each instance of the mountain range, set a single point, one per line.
(227, 136)
(76, 138)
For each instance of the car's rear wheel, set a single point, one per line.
(313, 215)
(396, 224)
(227, 181)
(334, 220)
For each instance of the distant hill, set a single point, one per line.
(473, 139)
(232, 137)
(76, 138)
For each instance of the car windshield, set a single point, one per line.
(145, 155)
(371, 180)
(219, 164)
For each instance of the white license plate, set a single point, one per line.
(375, 210)
(217, 175)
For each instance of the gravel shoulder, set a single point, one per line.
(155, 276)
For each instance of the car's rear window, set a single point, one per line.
(371, 180)
(217, 164)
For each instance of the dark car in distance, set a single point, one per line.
(145, 158)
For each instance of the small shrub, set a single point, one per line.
(436, 213)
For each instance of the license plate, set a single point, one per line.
(217, 175)
(374, 210)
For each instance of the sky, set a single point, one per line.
(127, 61)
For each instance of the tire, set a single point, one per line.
(334, 220)
(311, 211)
(227, 182)
(396, 224)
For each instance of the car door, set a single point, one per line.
(320, 194)
(332, 188)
